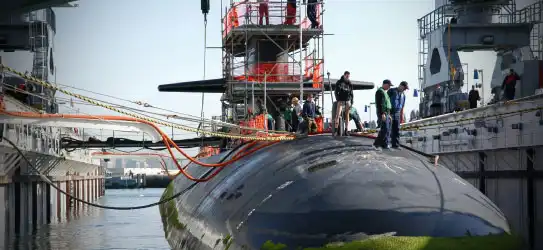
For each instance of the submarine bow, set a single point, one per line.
(325, 192)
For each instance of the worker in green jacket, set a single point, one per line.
(353, 115)
(383, 105)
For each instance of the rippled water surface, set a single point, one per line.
(97, 228)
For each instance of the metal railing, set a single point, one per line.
(284, 72)
(441, 16)
(273, 13)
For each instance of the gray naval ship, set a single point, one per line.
(27, 30)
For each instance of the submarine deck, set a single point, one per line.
(316, 190)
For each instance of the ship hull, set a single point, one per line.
(319, 190)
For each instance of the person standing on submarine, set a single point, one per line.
(383, 106)
(309, 114)
(397, 103)
(296, 114)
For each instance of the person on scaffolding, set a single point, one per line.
(290, 18)
(344, 99)
(383, 106)
(397, 101)
(509, 84)
(309, 114)
(312, 13)
(263, 10)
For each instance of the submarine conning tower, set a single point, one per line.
(467, 26)
(272, 52)
(278, 57)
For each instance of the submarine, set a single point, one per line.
(325, 192)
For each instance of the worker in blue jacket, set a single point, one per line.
(397, 103)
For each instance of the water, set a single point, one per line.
(107, 229)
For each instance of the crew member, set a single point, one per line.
(509, 84)
(309, 114)
(397, 102)
(473, 97)
(291, 12)
(263, 10)
(353, 114)
(270, 121)
(383, 106)
(344, 98)
(312, 13)
(287, 114)
(296, 114)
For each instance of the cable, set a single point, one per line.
(162, 201)
(95, 102)
(205, 53)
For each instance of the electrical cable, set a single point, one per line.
(69, 196)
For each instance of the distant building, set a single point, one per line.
(119, 163)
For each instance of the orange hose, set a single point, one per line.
(168, 142)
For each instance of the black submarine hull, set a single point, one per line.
(331, 193)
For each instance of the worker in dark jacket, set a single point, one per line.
(382, 103)
(397, 103)
(509, 84)
(473, 97)
(309, 113)
(344, 98)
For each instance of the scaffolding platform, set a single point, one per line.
(235, 40)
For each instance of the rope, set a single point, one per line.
(269, 137)
(69, 196)
(176, 115)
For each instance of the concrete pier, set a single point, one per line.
(28, 203)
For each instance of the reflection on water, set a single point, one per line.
(97, 228)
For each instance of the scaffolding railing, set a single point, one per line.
(283, 72)
(441, 17)
(243, 13)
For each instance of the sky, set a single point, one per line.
(126, 48)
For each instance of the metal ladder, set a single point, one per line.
(39, 45)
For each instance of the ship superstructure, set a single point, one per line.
(496, 146)
(27, 30)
